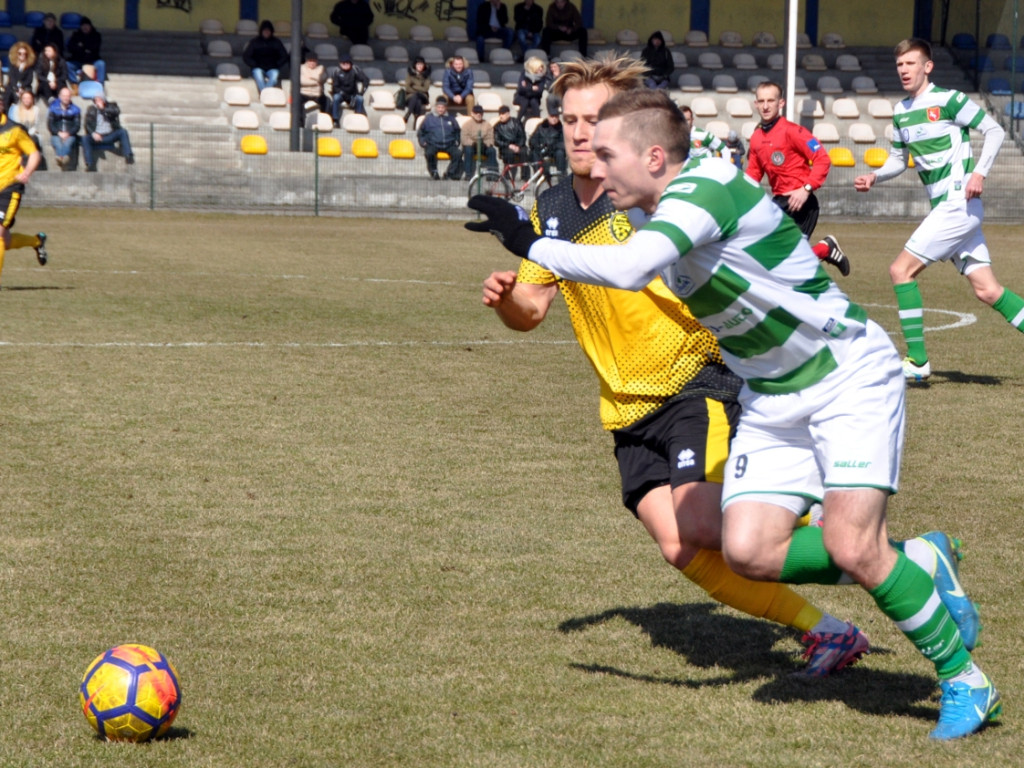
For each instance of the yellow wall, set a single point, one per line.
(886, 25)
(104, 14)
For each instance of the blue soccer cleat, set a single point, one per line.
(830, 652)
(964, 709)
(947, 583)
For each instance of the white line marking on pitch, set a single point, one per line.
(963, 318)
(272, 345)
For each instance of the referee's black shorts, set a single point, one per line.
(806, 218)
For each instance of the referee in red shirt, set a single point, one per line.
(796, 164)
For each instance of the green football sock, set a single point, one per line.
(908, 597)
(807, 561)
(911, 306)
(1011, 306)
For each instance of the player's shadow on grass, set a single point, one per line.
(959, 377)
(38, 288)
(710, 639)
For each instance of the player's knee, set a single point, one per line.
(988, 294)
(744, 556)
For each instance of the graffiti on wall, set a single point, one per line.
(181, 5)
(444, 10)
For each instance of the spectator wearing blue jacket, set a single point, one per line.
(440, 132)
(64, 120)
(457, 84)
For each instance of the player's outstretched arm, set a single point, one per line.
(509, 223)
(520, 306)
(864, 183)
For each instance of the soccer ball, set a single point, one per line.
(130, 693)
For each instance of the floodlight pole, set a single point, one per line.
(792, 8)
(296, 62)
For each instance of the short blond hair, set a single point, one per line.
(619, 73)
(535, 65)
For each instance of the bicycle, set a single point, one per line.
(488, 181)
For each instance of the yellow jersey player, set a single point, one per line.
(666, 396)
(19, 159)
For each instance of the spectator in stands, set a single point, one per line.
(26, 113)
(21, 72)
(478, 130)
(417, 88)
(492, 21)
(737, 149)
(563, 22)
(64, 121)
(103, 131)
(547, 144)
(530, 88)
(658, 59)
(529, 23)
(554, 71)
(48, 34)
(348, 84)
(266, 56)
(353, 18)
(510, 140)
(84, 49)
(457, 83)
(440, 133)
(51, 74)
(312, 76)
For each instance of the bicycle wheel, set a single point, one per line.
(547, 181)
(490, 183)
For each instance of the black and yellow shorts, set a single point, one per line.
(684, 441)
(10, 202)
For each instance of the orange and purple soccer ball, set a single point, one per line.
(130, 693)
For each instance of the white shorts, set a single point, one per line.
(846, 431)
(952, 232)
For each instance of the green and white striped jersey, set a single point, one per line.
(703, 143)
(743, 268)
(934, 128)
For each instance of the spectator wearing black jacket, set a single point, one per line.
(417, 88)
(547, 144)
(529, 23)
(530, 88)
(492, 21)
(658, 59)
(20, 74)
(266, 56)
(353, 18)
(51, 74)
(348, 84)
(103, 131)
(510, 140)
(440, 132)
(84, 48)
(48, 34)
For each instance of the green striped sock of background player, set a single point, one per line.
(1011, 306)
(911, 306)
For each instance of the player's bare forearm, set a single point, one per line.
(520, 306)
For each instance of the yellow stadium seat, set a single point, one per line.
(910, 162)
(875, 157)
(328, 146)
(443, 156)
(364, 147)
(841, 157)
(254, 144)
(402, 149)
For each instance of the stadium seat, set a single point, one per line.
(710, 60)
(324, 123)
(392, 123)
(1014, 64)
(627, 38)
(5, 20)
(89, 90)
(765, 40)
(730, 39)
(510, 79)
(353, 122)
(6, 41)
(813, 62)
(273, 97)
(432, 54)
(803, 40)
(739, 107)
(70, 21)
(245, 120)
(228, 72)
(880, 109)
(381, 100)
(669, 40)
(748, 128)
(964, 41)
(531, 124)
(847, 62)
(845, 109)
(328, 146)
(724, 84)
(253, 144)
(810, 108)
(211, 27)
(696, 38)
(34, 19)
(469, 54)
(570, 54)
(280, 120)
(456, 35)
(799, 85)
(360, 52)
(364, 147)
(841, 157)
(862, 133)
(832, 40)
(316, 30)
(997, 41)
(421, 33)
(689, 82)
(864, 85)
(875, 157)
(327, 53)
(719, 128)
(386, 32)
(219, 49)
(755, 80)
(826, 133)
(402, 149)
(1014, 110)
(744, 61)
(501, 57)
(490, 101)
(377, 76)
(396, 54)
(679, 60)
(999, 86)
(535, 53)
(596, 37)
(481, 78)
(249, 28)
(282, 28)
(237, 96)
(829, 85)
(982, 63)
(777, 61)
(704, 106)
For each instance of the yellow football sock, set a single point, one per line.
(765, 599)
(23, 241)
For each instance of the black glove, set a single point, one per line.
(509, 223)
